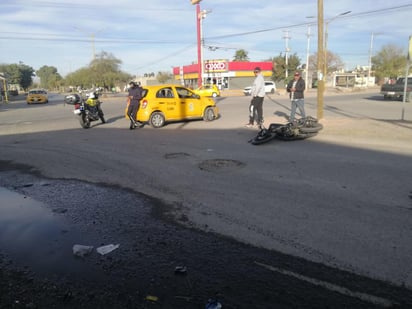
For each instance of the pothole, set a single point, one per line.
(217, 165)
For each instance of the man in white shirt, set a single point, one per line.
(256, 105)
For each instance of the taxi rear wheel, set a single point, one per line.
(209, 114)
(157, 120)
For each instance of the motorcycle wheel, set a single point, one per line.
(84, 121)
(262, 138)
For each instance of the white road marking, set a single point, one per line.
(332, 287)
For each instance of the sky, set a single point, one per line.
(152, 36)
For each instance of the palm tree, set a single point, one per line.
(241, 55)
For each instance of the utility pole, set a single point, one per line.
(287, 50)
(92, 39)
(307, 58)
(321, 61)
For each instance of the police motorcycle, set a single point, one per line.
(87, 108)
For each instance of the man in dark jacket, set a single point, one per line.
(296, 87)
(134, 97)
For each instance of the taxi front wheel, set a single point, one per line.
(209, 114)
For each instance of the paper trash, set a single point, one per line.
(81, 250)
(107, 249)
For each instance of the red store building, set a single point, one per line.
(223, 73)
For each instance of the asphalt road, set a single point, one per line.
(342, 198)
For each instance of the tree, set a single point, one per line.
(49, 78)
(333, 62)
(19, 74)
(241, 55)
(163, 77)
(279, 67)
(27, 74)
(103, 71)
(390, 62)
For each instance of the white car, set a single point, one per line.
(270, 87)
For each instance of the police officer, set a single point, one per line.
(134, 97)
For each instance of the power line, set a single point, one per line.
(68, 5)
(379, 11)
(121, 40)
(65, 39)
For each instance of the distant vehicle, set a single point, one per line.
(270, 87)
(37, 96)
(166, 103)
(208, 91)
(396, 90)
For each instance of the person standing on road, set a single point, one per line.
(256, 104)
(134, 97)
(296, 87)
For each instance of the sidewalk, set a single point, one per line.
(309, 92)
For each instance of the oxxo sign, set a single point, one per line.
(216, 66)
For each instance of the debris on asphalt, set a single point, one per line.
(82, 250)
(107, 249)
(152, 298)
(213, 304)
(180, 270)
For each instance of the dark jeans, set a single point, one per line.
(256, 110)
(132, 111)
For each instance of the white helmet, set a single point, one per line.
(92, 95)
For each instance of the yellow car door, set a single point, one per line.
(190, 103)
(168, 103)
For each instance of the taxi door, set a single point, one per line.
(190, 103)
(168, 103)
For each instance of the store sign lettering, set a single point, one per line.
(216, 66)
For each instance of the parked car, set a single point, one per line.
(37, 96)
(396, 90)
(208, 91)
(270, 87)
(166, 103)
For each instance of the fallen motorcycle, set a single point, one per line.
(296, 130)
(88, 109)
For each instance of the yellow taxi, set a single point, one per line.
(208, 91)
(37, 96)
(169, 103)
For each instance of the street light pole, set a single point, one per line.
(307, 54)
(202, 42)
(370, 56)
(307, 59)
(199, 42)
(321, 58)
(287, 49)
(325, 69)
